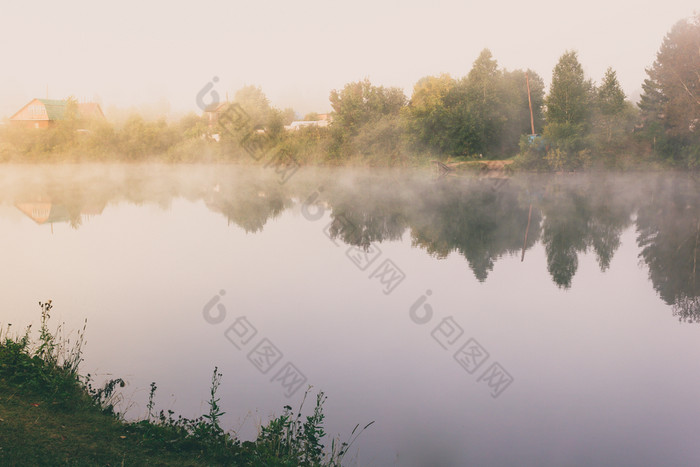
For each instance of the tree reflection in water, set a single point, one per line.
(469, 216)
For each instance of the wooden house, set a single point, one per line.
(41, 113)
(213, 111)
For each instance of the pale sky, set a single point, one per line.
(140, 53)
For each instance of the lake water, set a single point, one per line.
(530, 321)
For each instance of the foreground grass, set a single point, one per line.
(51, 415)
(34, 432)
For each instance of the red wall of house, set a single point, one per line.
(35, 110)
(31, 124)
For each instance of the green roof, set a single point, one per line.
(55, 109)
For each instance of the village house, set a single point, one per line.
(213, 111)
(41, 113)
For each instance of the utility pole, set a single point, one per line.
(529, 101)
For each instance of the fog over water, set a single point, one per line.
(576, 296)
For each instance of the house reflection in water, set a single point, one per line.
(45, 211)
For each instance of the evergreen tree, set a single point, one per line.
(652, 101)
(670, 104)
(611, 104)
(484, 101)
(568, 104)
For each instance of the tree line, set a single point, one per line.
(482, 115)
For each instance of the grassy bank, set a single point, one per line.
(52, 415)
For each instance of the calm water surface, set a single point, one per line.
(530, 321)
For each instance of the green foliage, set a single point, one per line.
(569, 106)
(382, 142)
(532, 154)
(289, 440)
(359, 109)
(485, 112)
(47, 344)
(569, 137)
(256, 104)
(140, 139)
(192, 126)
(561, 160)
(670, 103)
(215, 411)
(611, 98)
(50, 369)
(484, 102)
(515, 109)
(568, 102)
(289, 115)
(652, 101)
(107, 396)
(151, 400)
(611, 105)
(428, 114)
(49, 373)
(307, 145)
(586, 126)
(360, 103)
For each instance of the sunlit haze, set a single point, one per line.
(158, 55)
